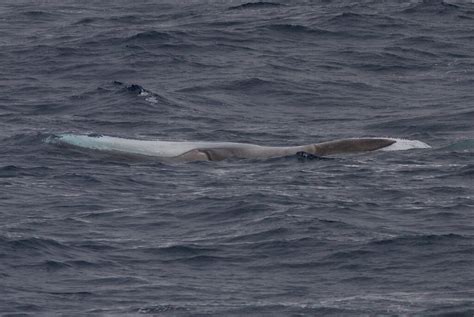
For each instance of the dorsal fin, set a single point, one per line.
(207, 154)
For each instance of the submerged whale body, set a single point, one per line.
(217, 151)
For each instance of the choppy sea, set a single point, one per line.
(84, 233)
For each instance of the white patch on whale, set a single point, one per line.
(404, 144)
(141, 147)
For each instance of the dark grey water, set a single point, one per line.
(86, 233)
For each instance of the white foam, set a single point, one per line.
(403, 144)
(151, 99)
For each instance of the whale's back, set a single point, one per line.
(214, 151)
(156, 148)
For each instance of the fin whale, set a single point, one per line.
(217, 151)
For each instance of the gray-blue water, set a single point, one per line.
(384, 233)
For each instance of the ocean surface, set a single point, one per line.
(86, 232)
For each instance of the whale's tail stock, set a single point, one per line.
(319, 150)
(346, 146)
